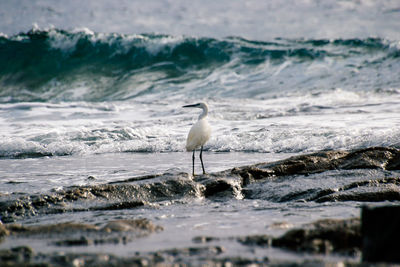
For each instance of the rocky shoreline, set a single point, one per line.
(322, 237)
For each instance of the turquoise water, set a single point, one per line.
(56, 65)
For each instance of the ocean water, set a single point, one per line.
(98, 91)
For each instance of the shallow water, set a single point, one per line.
(40, 175)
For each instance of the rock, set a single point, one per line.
(386, 195)
(280, 225)
(52, 229)
(251, 174)
(242, 261)
(394, 163)
(204, 239)
(79, 234)
(3, 231)
(236, 182)
(195, 251)
(382, 158)
(194, 256)
(220, 188)
(92, 197)
(381, 234)
(324, 236)
(138, 225)
(82, 241)
(256, 240)
(364, 191)
(306, 164)
(142, 225)
(16, 255)
(372, 190)
(120, 205)
(369, 158)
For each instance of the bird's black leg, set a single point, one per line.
(201, 159)
(193, 161)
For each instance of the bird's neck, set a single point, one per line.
(204, 113)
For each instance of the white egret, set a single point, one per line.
(199, 133)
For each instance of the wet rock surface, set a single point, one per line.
(369, 158)
(17, 256)
(80, 234)
(237, 182)
(114, 196)
(365, 175)
(371, 190)
(205, 256)
(324, 236)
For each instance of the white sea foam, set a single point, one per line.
(61, 41)
(336, 119)
(154, 46)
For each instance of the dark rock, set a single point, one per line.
(381, 234)
(138, 225)
(195, 251)
(83, 241)
(382, 158)
(363, 191)
(16, 255)
(309, 194)
(242, 261)
(144, 177)
(16, 228)
(50, 229)
(306, 164)
(256, 240)
(386, 195)
(252, 173)
(121, 205)
(3, 232)
(204, 239)
(199, 256)
(124, 196)
(90, 259)
(166, 187)
(373, 190)
(79, 234)
(131, 226)
(394, 162)
(369, 158)
(218, 188)
(324, 236)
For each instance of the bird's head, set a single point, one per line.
(201, 105)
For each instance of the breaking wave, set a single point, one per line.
(57, 65)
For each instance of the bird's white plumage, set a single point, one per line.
(198, 134)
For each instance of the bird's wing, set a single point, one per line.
(192, 142)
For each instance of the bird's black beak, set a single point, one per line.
(191, 106)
